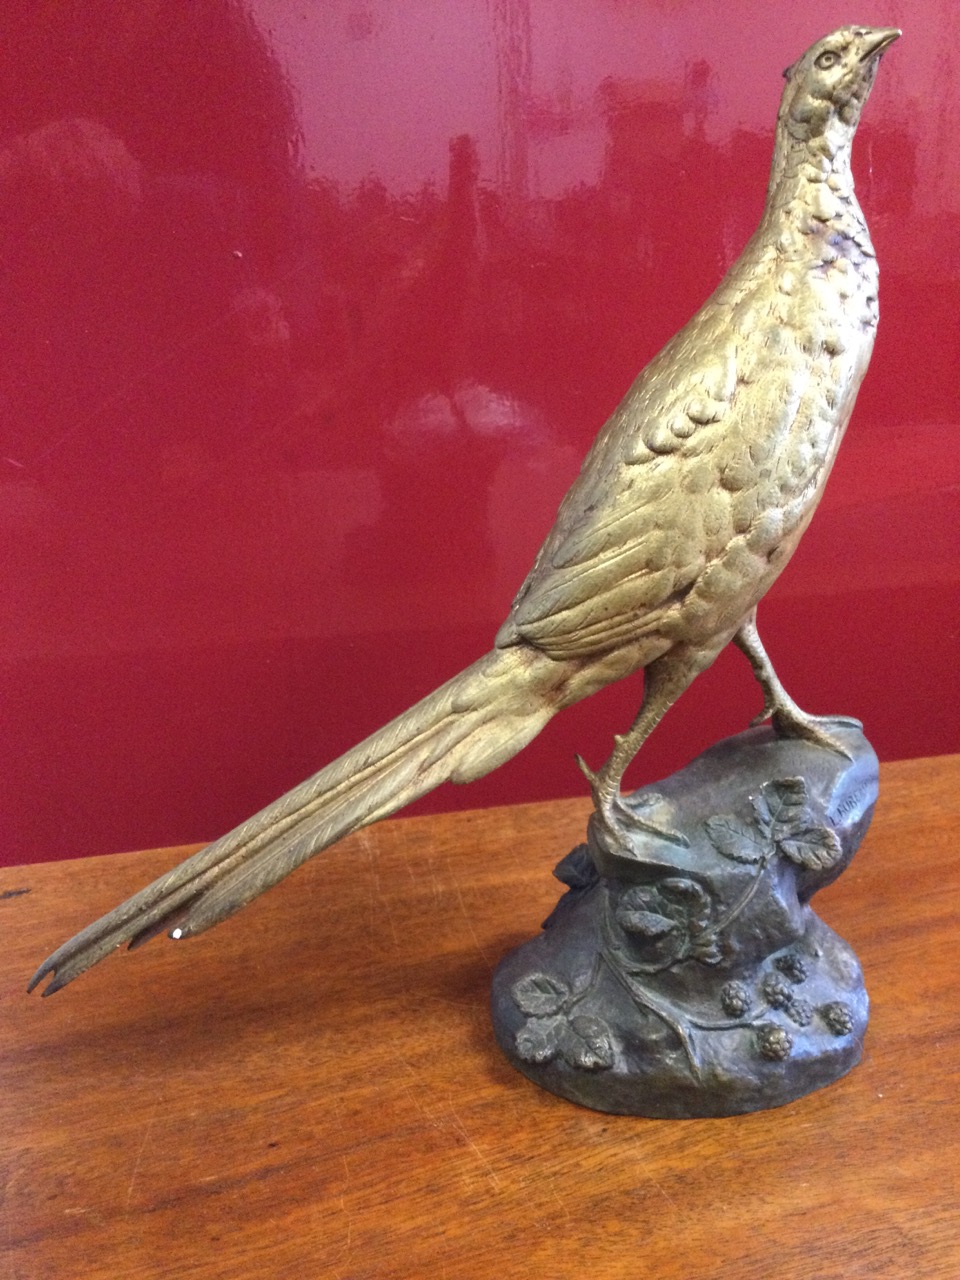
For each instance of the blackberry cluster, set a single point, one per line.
(776, 992)
(838, 1018)
(799, 1011)
(792, 966)
(773, 1042)
(735, 999)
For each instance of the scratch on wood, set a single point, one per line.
(656, 1183)
(415, 874)
(416, 1094)
(347, 1183)
(564, 1207)
(13, 893)
(369, 848)
(461, 1128)
(346, 1247)
(143, 1143)
(473, 933)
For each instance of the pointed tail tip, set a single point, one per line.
(52, 986)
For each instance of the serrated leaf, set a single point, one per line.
(589, 1044)
(539, 994)
(690, 897)
(636, 898)
(762, 813)
(816, 848)
(684, 888)
(539, 1039)
(647, 923)
(785, 799)
(737, 841)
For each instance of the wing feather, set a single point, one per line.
(651, 508)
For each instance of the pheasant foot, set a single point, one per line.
(618, 816)
(789, 721)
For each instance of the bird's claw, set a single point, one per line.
(617, 814)
(763, 717)
(588, 773)
(619, 818)
(794, 723)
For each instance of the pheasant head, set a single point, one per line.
(827, 87)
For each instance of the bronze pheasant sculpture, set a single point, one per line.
(688, 506)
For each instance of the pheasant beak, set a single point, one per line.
(875, 41)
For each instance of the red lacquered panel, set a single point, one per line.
(309, 314)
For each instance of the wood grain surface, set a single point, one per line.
(313, 1089)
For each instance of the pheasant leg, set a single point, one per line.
(615, 814)
(788, 719)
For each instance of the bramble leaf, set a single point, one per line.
(762, 813)
(689, 896)
(538, 1040)
(737, 841)
(647, 923)
(785, 800)
(816, 848)
(538, 994)
(588, 1044)
(683, 888)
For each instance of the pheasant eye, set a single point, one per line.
(827, 59)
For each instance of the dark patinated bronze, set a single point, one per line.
(694, 979)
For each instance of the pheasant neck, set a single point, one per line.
(811, 205)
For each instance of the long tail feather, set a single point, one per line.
(461, 731)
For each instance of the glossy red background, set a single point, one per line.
(311, 310)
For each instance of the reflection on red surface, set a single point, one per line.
(310, 313)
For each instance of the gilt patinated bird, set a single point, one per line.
(687, 507)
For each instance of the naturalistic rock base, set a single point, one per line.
(692, 979)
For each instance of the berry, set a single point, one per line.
(800, 1011)
(774, 1042)
(775, 991)
(838, 1018)
(735, 999)
(792, 966)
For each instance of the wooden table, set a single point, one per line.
(313, 1088)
